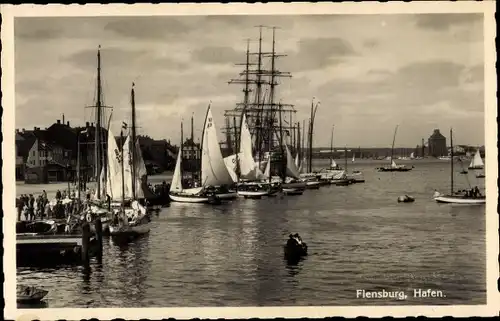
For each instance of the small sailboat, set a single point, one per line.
(480, 175)
(124, 228)
(477, 161)
(251, 182)
(471, 197)
(215, 176)
(393, 167)
(177, 192)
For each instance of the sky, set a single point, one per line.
(369, 72)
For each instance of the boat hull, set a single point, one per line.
(189, 198)
(227, 196)
(460, 200)
(313, 185)
(396, 169)
(293, 191)
(340, 182)
(253, 194)
(476, 167)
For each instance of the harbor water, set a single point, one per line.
(359, 238)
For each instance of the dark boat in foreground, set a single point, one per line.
(30, 294)
(295, 248)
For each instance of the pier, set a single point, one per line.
(53, 250)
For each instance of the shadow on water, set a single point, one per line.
(293, 265)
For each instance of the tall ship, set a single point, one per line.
(269, 120)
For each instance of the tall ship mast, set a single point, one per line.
(270, 121)
(100, 159)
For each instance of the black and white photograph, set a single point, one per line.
(265, 157)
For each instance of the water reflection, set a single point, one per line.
(232, 254)
(293, 267)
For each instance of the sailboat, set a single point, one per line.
(480, 175)
(477, 161)
(291, 183)
(134, 173)
(311, 178)
(454, 197)
(215, 177)
(393, 167)
(130, 217)
(214, 173)
(334, 174)
(251, 182)
(124, 227)
(177, 192)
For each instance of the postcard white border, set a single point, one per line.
(8, 129)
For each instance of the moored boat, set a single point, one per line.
(471, 197)
(30, 294)
(460, 199)
(393, 167)
(477, 161)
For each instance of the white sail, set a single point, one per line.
(267, 171)
(103, 186)
(302, 166)
(248, 167)
(213, 169)
(393, 164)
(231, 162)
(114, 181)
(353, 158)
(297, 160)
(412, 155)
(127, 167)
(245, 158)
(291, 169)
(333, 164)
(477, 161)
(176, 185)
(140, 170)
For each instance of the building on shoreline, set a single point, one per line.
(437, 144)
(50, 154)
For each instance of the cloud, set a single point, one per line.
(151, 27)
(440, 22)
(370, 72)
(217, 55)
(114, 57)
(315, 53)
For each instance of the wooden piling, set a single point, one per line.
(86, 244)
(98, 232)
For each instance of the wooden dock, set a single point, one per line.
(53, 250)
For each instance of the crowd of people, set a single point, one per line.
(32, 208)
(472, 193)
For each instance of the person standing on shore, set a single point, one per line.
(19, 206)
(31, 207)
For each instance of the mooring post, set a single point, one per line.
(98, 232)
(85, 244)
